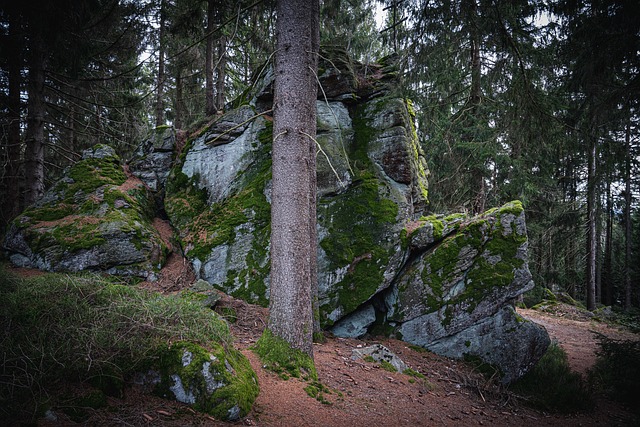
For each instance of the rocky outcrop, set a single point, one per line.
(455, 296)
(446, 283)
(371, 176)
(92, 219)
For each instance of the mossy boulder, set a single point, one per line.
(220, 381)
(456, 295)
(92, 219)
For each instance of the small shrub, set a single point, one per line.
(617, 370)
(552, 386)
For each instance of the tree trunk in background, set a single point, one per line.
(210, 107)
(161, 77)
(591, 223)
(11, 206)
(292, 220)
(475, 96)
(179, 102)
(34, 153)
(627, 221)
(607, 283)
(221, 74)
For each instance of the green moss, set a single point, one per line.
(387, 366)
(356, 221)
(204, 226)
(278, 356)
(317, 390)
(493, 267)
(239, 384)
(369, 358)
(413, 373)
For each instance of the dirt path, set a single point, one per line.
(577, 335)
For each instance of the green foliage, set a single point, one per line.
(387, 366)
(277, 355)
(317, 390)
(552, 386)
(617, 370)
(59, 328)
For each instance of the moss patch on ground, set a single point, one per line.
(278, 356)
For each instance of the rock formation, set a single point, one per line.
(446, 283)
(92, 219)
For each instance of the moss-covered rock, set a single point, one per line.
(92, 219)
(465, 273)
(218, 381)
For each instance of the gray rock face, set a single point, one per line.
(153, 159)
(90, 221)
(220, 382)
(456, 297)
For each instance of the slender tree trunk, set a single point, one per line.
(591, 223)
(34, 153)
(161, 74)
(290, 300)
(598, 250)
(12, 183)
(627, 221)
(607, 283)
(210, 107)
(313, 233)
(221, 74)
(179, 102)
(475, 97)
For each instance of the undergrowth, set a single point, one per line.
(56, 328)
(552, 386)
(617, 370)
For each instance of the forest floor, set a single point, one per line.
(363, 393)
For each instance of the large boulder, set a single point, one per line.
(456, 295)
(371, 176)
(92, 219)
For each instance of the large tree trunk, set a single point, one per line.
(34, 153)
(293, 194)
(627, 222)
(11, 205)
(591, 223)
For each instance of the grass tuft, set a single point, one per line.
(56, 328)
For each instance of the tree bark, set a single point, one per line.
(293, 191)
(11, 182)
(221, 74)
(161, 76)
(607, 283)
(591, 223)
(34, 153)
(210, 107)
(627, 221)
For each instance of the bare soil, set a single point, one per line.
(363, 393)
